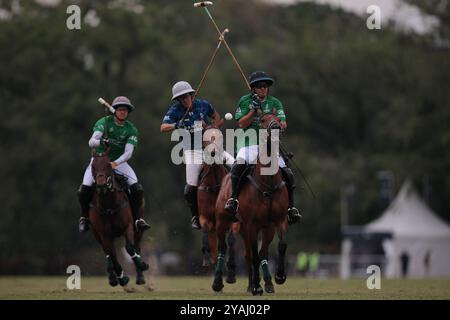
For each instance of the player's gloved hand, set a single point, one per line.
(180, 125)
(104, 141)
(256, 102)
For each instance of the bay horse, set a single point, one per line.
(211, 176)
(110, 216)
(263, 208)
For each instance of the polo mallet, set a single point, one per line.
(221, 39)
(288, 159)
(204, 4)
(107, 107)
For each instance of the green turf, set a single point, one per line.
(200, 288)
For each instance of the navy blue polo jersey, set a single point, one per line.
(201, 110)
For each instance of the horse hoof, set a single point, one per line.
(144, 266)
(257, 291)
(269, 288)
(140, 280)
(217, 286)
(231, 278)
(113, 282)
(280, 279)
(124, 280)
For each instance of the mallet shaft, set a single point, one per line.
(228, 48)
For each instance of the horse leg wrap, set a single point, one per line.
(109, 264)
(220, 262)
(231, 264)
(190, 194)
(133, 254)
(265, 269)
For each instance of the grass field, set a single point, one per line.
(97, 288)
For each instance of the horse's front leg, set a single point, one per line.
(267, 237)
(206, 250)
(134, 252)
(256, 287)
(280, 276)
(113, 265)
(217, 285)
(231, 263)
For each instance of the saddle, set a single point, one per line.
(266, 191)
(121, 181)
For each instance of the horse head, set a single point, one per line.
(269, 121)
(102, 170)
(212, 139)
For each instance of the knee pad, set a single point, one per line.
(137, 188)
(137, 193)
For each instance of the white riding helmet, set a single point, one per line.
(180, 88)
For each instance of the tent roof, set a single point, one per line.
(408, 216)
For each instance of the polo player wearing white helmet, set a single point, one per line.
(122, 139)
(181, 115)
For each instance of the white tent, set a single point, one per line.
(417, 233)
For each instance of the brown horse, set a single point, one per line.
(263, 207)
(111, 218)
(211, 176)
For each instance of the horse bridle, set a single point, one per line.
(274, 121)
(109, 185)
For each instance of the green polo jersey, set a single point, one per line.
(119, 136)
(271, 104)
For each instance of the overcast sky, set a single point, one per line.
(406, 16)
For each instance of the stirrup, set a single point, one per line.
(141, 225)
(293, 215)
(83, 225)
(232, 205)
(195, 223)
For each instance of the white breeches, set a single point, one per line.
(123, 168)
(194, 160)
(250, 154)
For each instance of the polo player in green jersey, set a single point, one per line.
(250, 106)
(122, 139)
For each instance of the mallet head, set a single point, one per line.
(106, 104)
(203, 4)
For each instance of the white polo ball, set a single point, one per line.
(228, 116)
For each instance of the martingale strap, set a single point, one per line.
(110, 212)
(212, 189)
(266, 193)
